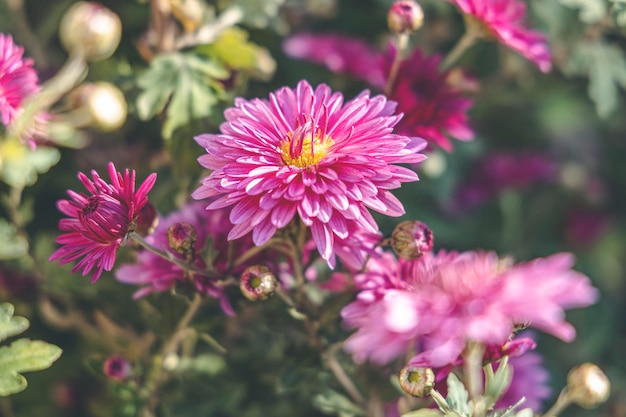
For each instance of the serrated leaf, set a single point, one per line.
(457, 397)
(11, 325)
(591, 11)
(606, 67)
(259, 13)
(12, 245)
(24, 355)
(424, 412)
(331, 402)
(185, 83)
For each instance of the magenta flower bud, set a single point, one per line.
(182, 238)
(147, 220)
(417, 382)
(258, 283)
(116, 368)
(410, 239)
(405, 16)
(588, 386)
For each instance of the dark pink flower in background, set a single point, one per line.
(584, 226)
(439, 302)
(500, 171)
(505, 20)
(433, 108)
(308, 153)
(156, 274)
(98, 223)
(18, 78)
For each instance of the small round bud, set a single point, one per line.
(101, 105)
(116, 368)
(182, 237)
(417, 382)
(410, 239)
(405, 16)
(90, 29)
(258, 283)
(588, 386)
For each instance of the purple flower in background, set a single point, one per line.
(439, 302)
(530, 380)
(504, 20)
(433, 108)
(99, 223)
(500, 171)
(308, 153)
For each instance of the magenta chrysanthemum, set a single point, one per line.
(505, 21)
(439, 302)
(306, 152)
(155, 273)
(18, 78)
(99, 223)
(433, 109)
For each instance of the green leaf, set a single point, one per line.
(606, 67)
(333, 403)
(496, 383)
(233, 48)
(24, 355)
(19, 165)
(259, 13)
(10, 325)
(591, 11)
(12, 245)
(185, 83)
(457, 397)
(424, 412)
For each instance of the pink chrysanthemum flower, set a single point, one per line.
(18, 78)
(441, 301)
(306, 152)
(433, 108)
(99, 223)
(154, 273)
(504, 20)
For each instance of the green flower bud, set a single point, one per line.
(258, 283)
(588, 386)
(417, 382)
(182, 238)
(405, 16)
(410, 239)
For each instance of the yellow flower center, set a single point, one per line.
(302, 150)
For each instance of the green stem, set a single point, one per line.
(170, 257)
(403, 42)
(561, 403)
(466, 41)
(342, 376)
(472, 369)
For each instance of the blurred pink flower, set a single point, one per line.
(500, 171)
(154, 273)
(505, 21)
(433, 108)
(306, 152)
(18, 78)
(440, 301)
(584, 226)
(99, 223)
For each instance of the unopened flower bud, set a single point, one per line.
(258, 283)
(405, 16)
(147, 220)
(588, 386)
(182, 237)
(117, 368)
(410, 239)
(415, 381)
(91, 30)
(101, 105)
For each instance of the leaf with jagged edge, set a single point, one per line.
(24, 355)
(12, 245)
(458, 397)
(334, 403)
(11, 325)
